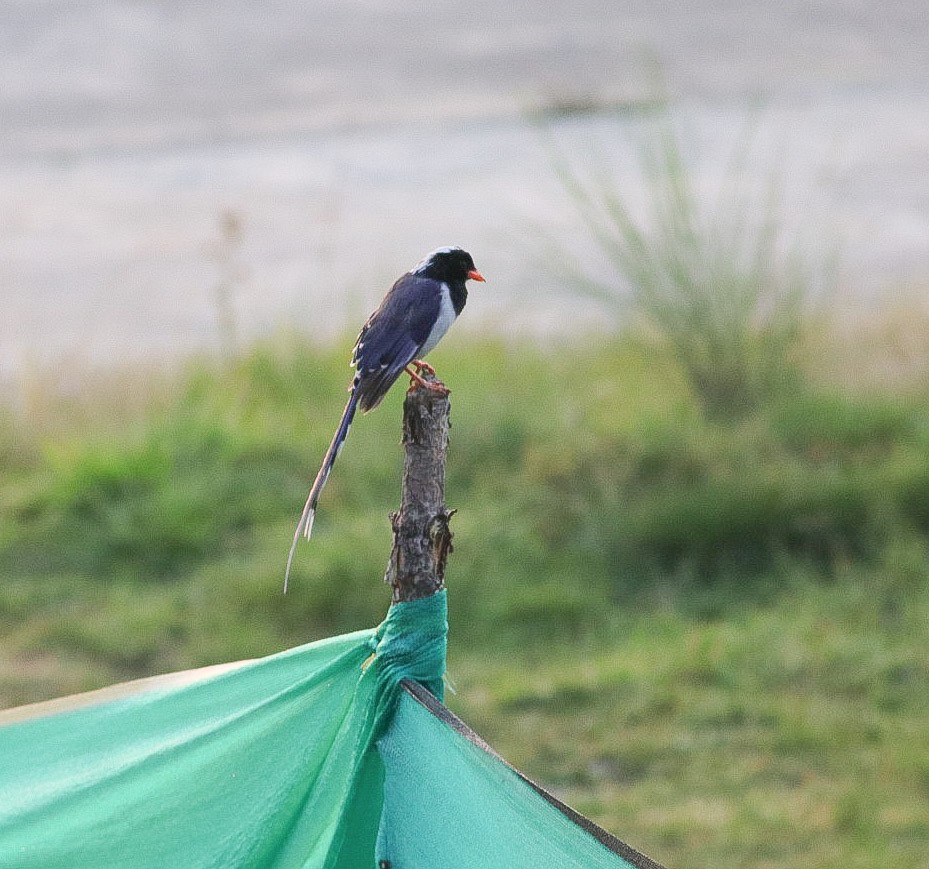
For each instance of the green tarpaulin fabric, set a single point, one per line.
(315, 757)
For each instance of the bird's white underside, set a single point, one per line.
(443, 322)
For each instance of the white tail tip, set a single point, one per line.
(308, 528)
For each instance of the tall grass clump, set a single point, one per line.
(709, 278)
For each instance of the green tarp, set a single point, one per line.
(334, 754)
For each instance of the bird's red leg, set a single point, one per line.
(419, 365)
(416, 381)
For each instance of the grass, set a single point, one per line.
(791, 734)
(709, 633)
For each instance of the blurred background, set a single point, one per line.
(690, 446)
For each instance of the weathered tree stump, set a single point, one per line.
(422, 539)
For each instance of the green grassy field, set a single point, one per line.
(708, 632)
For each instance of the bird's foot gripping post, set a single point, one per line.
(420, 365)
(415, 369)
(422, 539)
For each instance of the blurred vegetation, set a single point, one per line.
(708, 631)
(709, 276)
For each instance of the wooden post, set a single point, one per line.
(422, 539)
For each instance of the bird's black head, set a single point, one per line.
(449, 264)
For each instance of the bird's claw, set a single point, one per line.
(417, 380)
(435, 386)
(419, 365)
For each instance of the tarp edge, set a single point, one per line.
(425, 698)
(119, 691)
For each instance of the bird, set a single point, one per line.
(412, 318)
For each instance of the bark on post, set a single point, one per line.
(422, 539)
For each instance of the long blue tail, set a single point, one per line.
(305, 525)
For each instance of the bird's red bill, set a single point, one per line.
(475, 275)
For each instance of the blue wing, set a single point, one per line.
(393, 336)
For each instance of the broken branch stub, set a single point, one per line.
(422, 538)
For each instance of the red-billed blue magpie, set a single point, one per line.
(414, 315)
